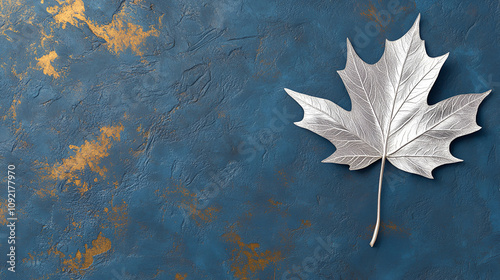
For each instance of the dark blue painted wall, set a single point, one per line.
(153, 139)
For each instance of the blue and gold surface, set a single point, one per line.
(153, 140)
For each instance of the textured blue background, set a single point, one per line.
(184, 161)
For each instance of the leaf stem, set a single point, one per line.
(377, 226)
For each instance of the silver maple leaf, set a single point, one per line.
(390, 118)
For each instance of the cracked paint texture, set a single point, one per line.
(153, 140)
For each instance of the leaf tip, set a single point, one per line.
(290, 92)
(415, 27)
(349, 46)
(427, 174)
(483, 95)
(416, 24)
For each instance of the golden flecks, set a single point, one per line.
(88, 155)
(306, 223)
(21, 29)
(266, 66)
(160, 19)
(119, 34)
(3, 211)
(84, 188)
(46, 192)
(188, 202)
(387, 228)
(303, 225)
(13, 70)
(276, 206)
(72, 13)
(45, 63)
(179, 276)
(142, 147)
(221, 114)
(13, 107)
(205, 215)
(12, 12)
(118, 215)
(284, 177)
(372, 14)
(84, 260)
(248, 258)
(274, 203)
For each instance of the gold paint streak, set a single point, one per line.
(284, 177)
(160, 19)
(372, 14)
(221, 114)
(179, 276)
(13, 107)
(3, 211)
(43, 192)
(118, 215)
(205, 215)
(84, 188)
(71, 13)
(119, 34)
(188, 201)
(89, 154)
(84, 260)
(44, 63)
(248, 259)
(389, 228)
(12, 12)
(275, 203)
(17, 75)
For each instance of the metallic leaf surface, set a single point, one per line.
(390, 118)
